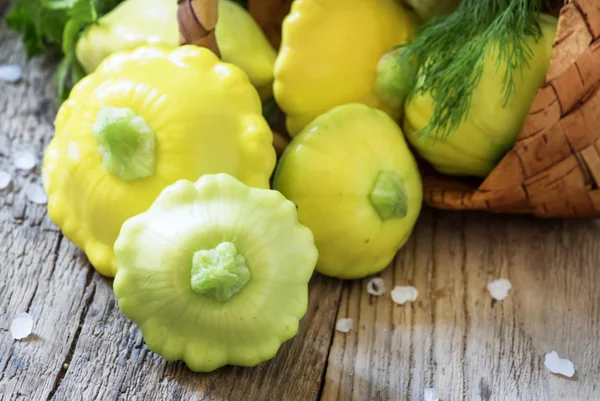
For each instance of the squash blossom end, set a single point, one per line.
(389, 197)
(220, 272)
(125, 142)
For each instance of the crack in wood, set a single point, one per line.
(431, 285)
(10, 354)
(484, 390)
(411, 346)
(465, 306)
(347, 286)
(86, 306)
(55, 254)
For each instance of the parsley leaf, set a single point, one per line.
(45, 25)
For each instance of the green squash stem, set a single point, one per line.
(220, 272)
(392, 79)
(125, 142)
(388, 196)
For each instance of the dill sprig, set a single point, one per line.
(451, 51)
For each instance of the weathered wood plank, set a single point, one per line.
(77, 320)
(30, 246)
(111, 361)
(454, 337)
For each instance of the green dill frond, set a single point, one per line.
(451, 51)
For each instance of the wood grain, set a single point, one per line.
(82, 347)
(453, 337)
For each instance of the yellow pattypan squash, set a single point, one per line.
(491, 125)
(357, 187)
(215, 272)
(330, 50)
(136, 23)
(143, 120)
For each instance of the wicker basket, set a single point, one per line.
(553, 170)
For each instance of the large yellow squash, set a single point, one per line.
(329, 55)
(140, 122)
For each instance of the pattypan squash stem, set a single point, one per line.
(388, 196)
(125, 142)
(392, 79)
(220, 272)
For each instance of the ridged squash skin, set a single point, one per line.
(136, 23)
(331, 171)
(155, 284)
(205, 116)
(329, 54)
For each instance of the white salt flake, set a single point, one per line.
(402, 295)
(21, 326)
(35, 193)
(5, 179)
(24, 160)
(432, 394)
(376, 286)
(10, 73)
(344, 325)
(559, 366)
(499, 289)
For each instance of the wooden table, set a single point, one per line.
(454, 337)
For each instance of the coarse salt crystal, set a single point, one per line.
(432, 394)
(401, 295)
(499, 289)
(24, 160)
(5, 179)
(35, 193)
(10, 73)
(376, 286)
(344, 325)
(559, 366)
(21, 326)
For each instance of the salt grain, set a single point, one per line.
(376, 286)
(35, 193)
(21, 326)
(401, 295)
(5, 180)
(24, 160)
(10, 73)
(432, 394)
(499, 289)
(559, 366)
(344, 325)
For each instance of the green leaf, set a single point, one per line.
(48, 24)
(77, 72)
(25, 23)
(451, 51)
(60, 77)
(70, 36)
(83, 11)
